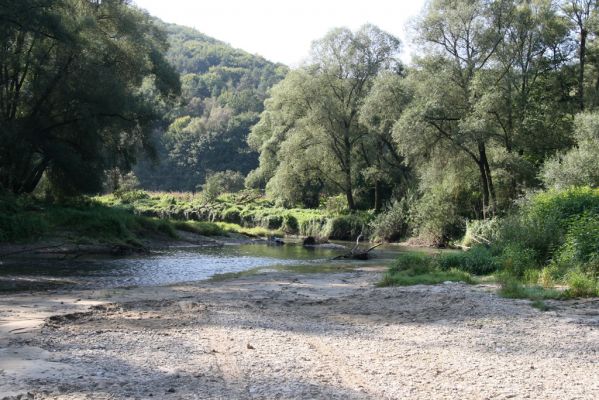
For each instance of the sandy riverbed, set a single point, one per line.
(296, 336)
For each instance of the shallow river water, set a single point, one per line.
(168, 267)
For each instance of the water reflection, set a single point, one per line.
(165, 268)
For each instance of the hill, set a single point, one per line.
(223, 92)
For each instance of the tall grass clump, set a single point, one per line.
(417, 268)
(477, 261)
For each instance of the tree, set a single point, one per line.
(382, 107)
(71, 98)
(462, 36)
(577, 166)
(583, 14)
(324, 101)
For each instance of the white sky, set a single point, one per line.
(283, 30)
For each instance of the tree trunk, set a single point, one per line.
(582, 55)
(484, 187)
(486, 181)
(348, 167)
(377, 197)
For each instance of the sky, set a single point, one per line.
(282, 30)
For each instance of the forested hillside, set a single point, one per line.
(223, 91)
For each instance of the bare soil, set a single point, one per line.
(296, 336)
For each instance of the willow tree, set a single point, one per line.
(78, 80)
(461, 38)
(327, 96)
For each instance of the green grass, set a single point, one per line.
(421, 269)
(87, 221)
(256, 231)
(246, 210)
(513, 288)
(200, 228)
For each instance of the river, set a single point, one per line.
(168, 267)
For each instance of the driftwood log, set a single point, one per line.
(356, 253)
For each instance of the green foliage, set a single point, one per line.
(513, 289)
(309, 136)
(577, 166)
(23, 219)
(200, 227)
(76, 78)
(346, 227)
(130, 196)
(481, 231)
(222, 182)
(516, 260)
(223, 91)
(393, 223)
(247, 209)
(421, 269)
(478, 261)
(544, 219)
(581, 284)
(436, 217)
(581, 245)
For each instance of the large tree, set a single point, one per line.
(327, 96)
(78, 83)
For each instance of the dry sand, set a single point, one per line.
(296, 336)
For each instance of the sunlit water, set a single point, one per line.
(163, 268)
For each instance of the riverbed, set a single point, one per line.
(311, 329)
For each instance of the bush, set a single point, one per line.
(130, 196)
(393, 223)
(581, 284)
(346, 227)
(581, 247)
(485, 231)
(232, 215)
(544, 219)
(478, 261)
(222, 182)
(290, 224)
(516, 260)
(436, 218)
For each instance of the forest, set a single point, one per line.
(488, 139)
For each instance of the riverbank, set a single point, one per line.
(294, 336)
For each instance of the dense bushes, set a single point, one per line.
(477, 261)
(392, 224)
(552, 237)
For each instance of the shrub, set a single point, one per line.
(346, 227)
(393, 223)
(513, 289)
(436, 218)
(544, 219)
(516, 260)
(485, 231)
(581, 247)
(232, 215)
(290, 224)
(478, 260)
(130, 196)
(222, 182)
(581, 284)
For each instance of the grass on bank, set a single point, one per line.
(84, 220)
(246, 212)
